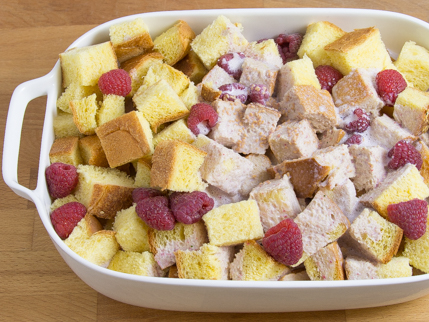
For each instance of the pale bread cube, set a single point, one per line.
(253, 263)
(326, 264)
(135, 263)
(225, 223)
(259, 72)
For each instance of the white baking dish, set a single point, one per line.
(201, 295)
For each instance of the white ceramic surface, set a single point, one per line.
(201, 295)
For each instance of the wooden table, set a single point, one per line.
(36, 284)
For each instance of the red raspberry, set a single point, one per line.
(259, 93)
(61, 179)
(289, 44)
(284, 242)
(354, 139)
(403, 153)
(155, 212)
(328, 76)
(202, 118)
(143, 193)
(361, 123)
(389, 84)
(231, 63)
(115, 81)
(66, 217)
(411, 216)
(190, 207)
(231, 92)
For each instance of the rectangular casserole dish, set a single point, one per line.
(205, 295)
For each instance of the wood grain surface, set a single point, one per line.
(35, 283)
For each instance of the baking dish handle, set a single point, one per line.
(22, 95)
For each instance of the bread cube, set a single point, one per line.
(135, 263)
(64, 125)
(130, 39)
(126, 138)
(178, 130)
(85, 114)
(316, 37)
(330, 137)
(103, 191)
(176, 166)
(326, 264)
(259, 72)
(259, 122)
(400, 185)
(259, 173)
(360, 48)
(192, 67)
(340, 162)
(276, 201)
(306, 174)
(369, 163)
(411, 110)
(175, 42)
(209, 262)
(265, 51)
(357, 90)
(416, 251)
(228, 129)
(85, 65)
(217, 77)
(137, 67)
(92, 152)
(160, 104)
(163, 244)
(143, 173)
(190, 96)
(387, 132)
(344, 195)
(112, 107)
(253, 263)
(218, 38)
(293, 140)
(413, 64)
(321, 223)
(131, 231)
(161, 71)
(221, 197)
(222, 167)
(90, 242)
(376, 235)
(295, 73)
(75, 92)
(308, 102)
(66, 150)
(296, 275)
(360, 269)
(225, 223)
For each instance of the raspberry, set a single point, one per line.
(61, 179)
(362, 122)
(143, 193)
(411, 216)
(231, 63)
(389, 84)
(354, 139)
(259, 93)
(155, 212)
(66, 217)
(115, 81)
(284, 242)
(289, 45)
(403, 153)
(328, 76)
(202, 118)
(234, 91)
(190, 207)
